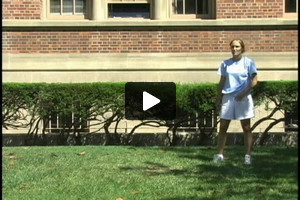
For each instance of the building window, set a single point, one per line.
(291, 118)
(290, 9)
(199, 121)
(193, 8)
(69, 122)
(129, 10)
(68, 9)
(291, 6)
(72, 7)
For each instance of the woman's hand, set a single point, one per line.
(244, 93)
(239, 97)
(219, 102)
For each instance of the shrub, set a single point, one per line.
(27, 105)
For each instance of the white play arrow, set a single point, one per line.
(149, 101)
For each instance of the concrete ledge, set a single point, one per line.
(147, 22)
(174, 67)
(141, 61)
(129, 76)
(144, 24)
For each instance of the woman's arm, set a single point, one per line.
(252, 84)
(219, 92)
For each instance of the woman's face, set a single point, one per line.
(236, 49)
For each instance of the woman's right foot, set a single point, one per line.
(218, 158)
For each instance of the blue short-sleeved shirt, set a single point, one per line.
(238, 74)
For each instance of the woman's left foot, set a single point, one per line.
(248, 159)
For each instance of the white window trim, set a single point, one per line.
(67, 16)
(210, 15)
(58, 126)
(130, 2)
(196, 121)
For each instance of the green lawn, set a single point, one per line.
(147, 173)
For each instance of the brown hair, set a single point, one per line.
(241, 43)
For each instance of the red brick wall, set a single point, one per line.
(32, 9)
(235, 9)
(21, 9)
(147, 42)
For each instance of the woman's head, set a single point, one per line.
(237, 47)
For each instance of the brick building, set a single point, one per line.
(145, 40)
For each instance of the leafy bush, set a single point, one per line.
(27, 105)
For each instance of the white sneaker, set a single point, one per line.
(218, 158)
(247, 159)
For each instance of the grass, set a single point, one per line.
(147, 173)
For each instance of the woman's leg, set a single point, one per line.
(248, 136)
(224, 124)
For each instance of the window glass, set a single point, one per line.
(190, 7)
(291, 118)
(57, 122)
(67, 6)
(80, 6)
(129, 10)
(290, 6)
(203, 120)
(54, 120)
(202, 6)
(55, 6)
(178, 7)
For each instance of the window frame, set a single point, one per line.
(193, 122)
(129, 2)
(211, 12)
(69, 16)
(290, 14)
(56, 125)
(291, 118)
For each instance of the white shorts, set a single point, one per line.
(232, 109)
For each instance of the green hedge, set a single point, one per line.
(91, 100)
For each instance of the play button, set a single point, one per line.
(150, 101)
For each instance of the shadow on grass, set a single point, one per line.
(232, 178)
(268, 162)
(155, 169)
(182, 198)
(270, 166)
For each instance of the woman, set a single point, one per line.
(234, 100)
